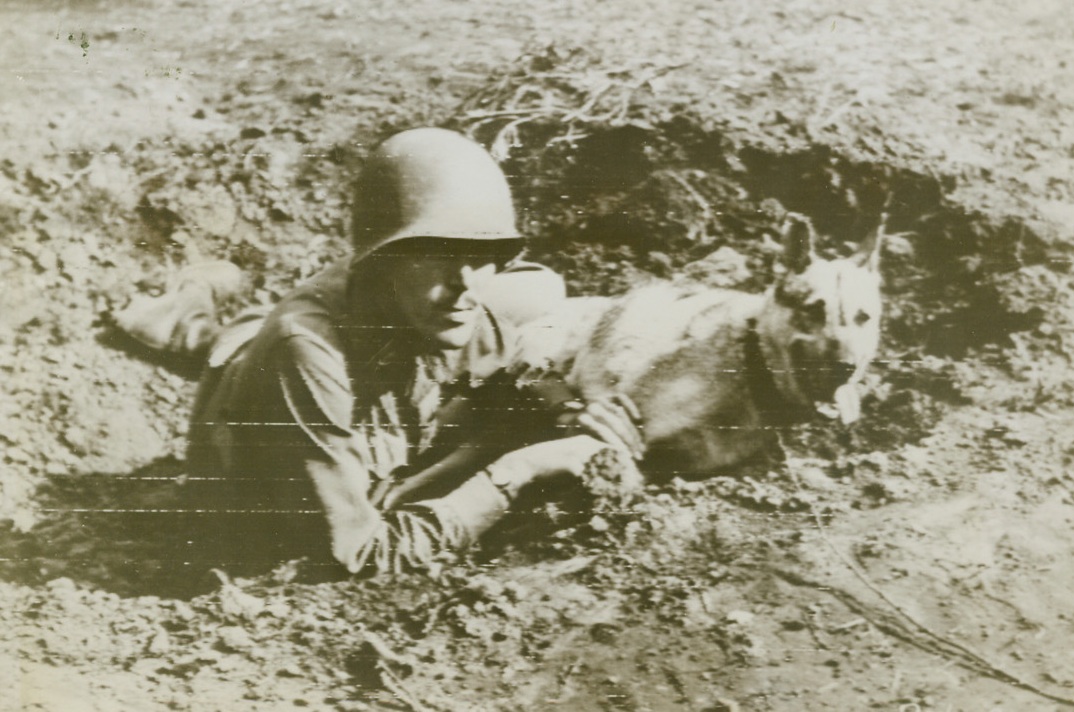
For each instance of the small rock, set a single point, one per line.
(815, 478)
(183, 611)
(598, 523)
(739, 617)
(17, 454)
(723, 268)
(55, 468)
(147, 668)
(290, 670)
(78, 439)
(515, 591)
(47, 259)
(898, 245)
(23, 520)
(159, 644)
(167, 394)
(235, 638)
(486, 587)
(660, 263)
(76, 262)
(277, 609)
(208, 656)
(916, 455)
(236, 603)
(352, 706)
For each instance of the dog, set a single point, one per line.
(716, 372)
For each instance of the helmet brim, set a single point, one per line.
(497, 250)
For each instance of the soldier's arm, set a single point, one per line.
(339, 461)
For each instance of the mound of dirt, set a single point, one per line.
(916, 560)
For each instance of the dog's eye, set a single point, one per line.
(862, 318)
(816, 311)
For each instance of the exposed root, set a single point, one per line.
(899, 623)
(696, 230)
(394, 684)
(387, 677)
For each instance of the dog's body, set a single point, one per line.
(713, 371)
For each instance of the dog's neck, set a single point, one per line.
(774, 406)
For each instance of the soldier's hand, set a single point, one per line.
(514, 470)
(614, 420)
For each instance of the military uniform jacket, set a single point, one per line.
(313, 409)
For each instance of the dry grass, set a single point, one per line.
(567, 88)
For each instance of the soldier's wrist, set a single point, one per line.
(504, 478)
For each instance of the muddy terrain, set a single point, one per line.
(917, 560)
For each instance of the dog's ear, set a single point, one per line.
(798, 238)
(868, 255)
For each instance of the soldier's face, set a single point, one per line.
(434, 294)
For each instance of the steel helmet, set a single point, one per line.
(430, 182)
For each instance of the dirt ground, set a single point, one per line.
(919, 560)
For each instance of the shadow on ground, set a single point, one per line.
(153, 531)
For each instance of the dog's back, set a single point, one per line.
(673, 349)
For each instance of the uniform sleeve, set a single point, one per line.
(413, 536)
(337, 458)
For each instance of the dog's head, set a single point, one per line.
(821, 324)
